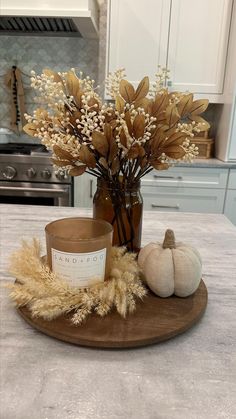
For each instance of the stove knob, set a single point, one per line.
(46, 174)
(31, 172)
(9, 172)
(60, 175)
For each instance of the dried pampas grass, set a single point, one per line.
(48, 296)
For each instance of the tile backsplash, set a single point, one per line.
(36, 53)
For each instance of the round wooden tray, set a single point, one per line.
(155, 320)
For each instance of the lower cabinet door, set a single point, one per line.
(183, 199)
(84, 189)
(230, 205)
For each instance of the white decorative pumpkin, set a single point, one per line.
(171, 268)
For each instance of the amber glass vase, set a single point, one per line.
(121, 206)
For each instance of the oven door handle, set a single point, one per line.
(17, 189)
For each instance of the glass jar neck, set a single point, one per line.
(118, 185)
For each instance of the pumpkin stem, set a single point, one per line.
(169, 240)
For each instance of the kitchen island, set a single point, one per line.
(192, 376)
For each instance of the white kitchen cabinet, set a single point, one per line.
(84, 189)
(190, 177)
(177, 189)
(225, 140)
(137, 36)
(198, 38)
(230, 205)
(187, 36)
(232, 179)
(230, 201)
(183, 199)
(185, 189)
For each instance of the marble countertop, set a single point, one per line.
(211, 163)
(192, 376)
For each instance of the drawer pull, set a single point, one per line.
(168, 177)
(165, 206)
(91, 188)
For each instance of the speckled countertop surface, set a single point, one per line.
(192, 376)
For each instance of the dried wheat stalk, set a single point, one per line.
(48, 296)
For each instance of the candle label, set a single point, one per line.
(80, 269)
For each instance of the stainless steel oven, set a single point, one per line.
(35, 194)
(27, 177)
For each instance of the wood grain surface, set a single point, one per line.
(155, 320)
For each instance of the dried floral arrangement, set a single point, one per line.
(49, 296)
(148, 127)
(118, 142)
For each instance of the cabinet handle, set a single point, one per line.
(91, 188)
(168, 177)
(41, 190)
(165, 206)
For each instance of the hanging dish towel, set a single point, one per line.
(14, 82)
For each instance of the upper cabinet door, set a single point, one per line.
(198, 40)
(137, 37)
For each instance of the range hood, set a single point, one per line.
(49, 17)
